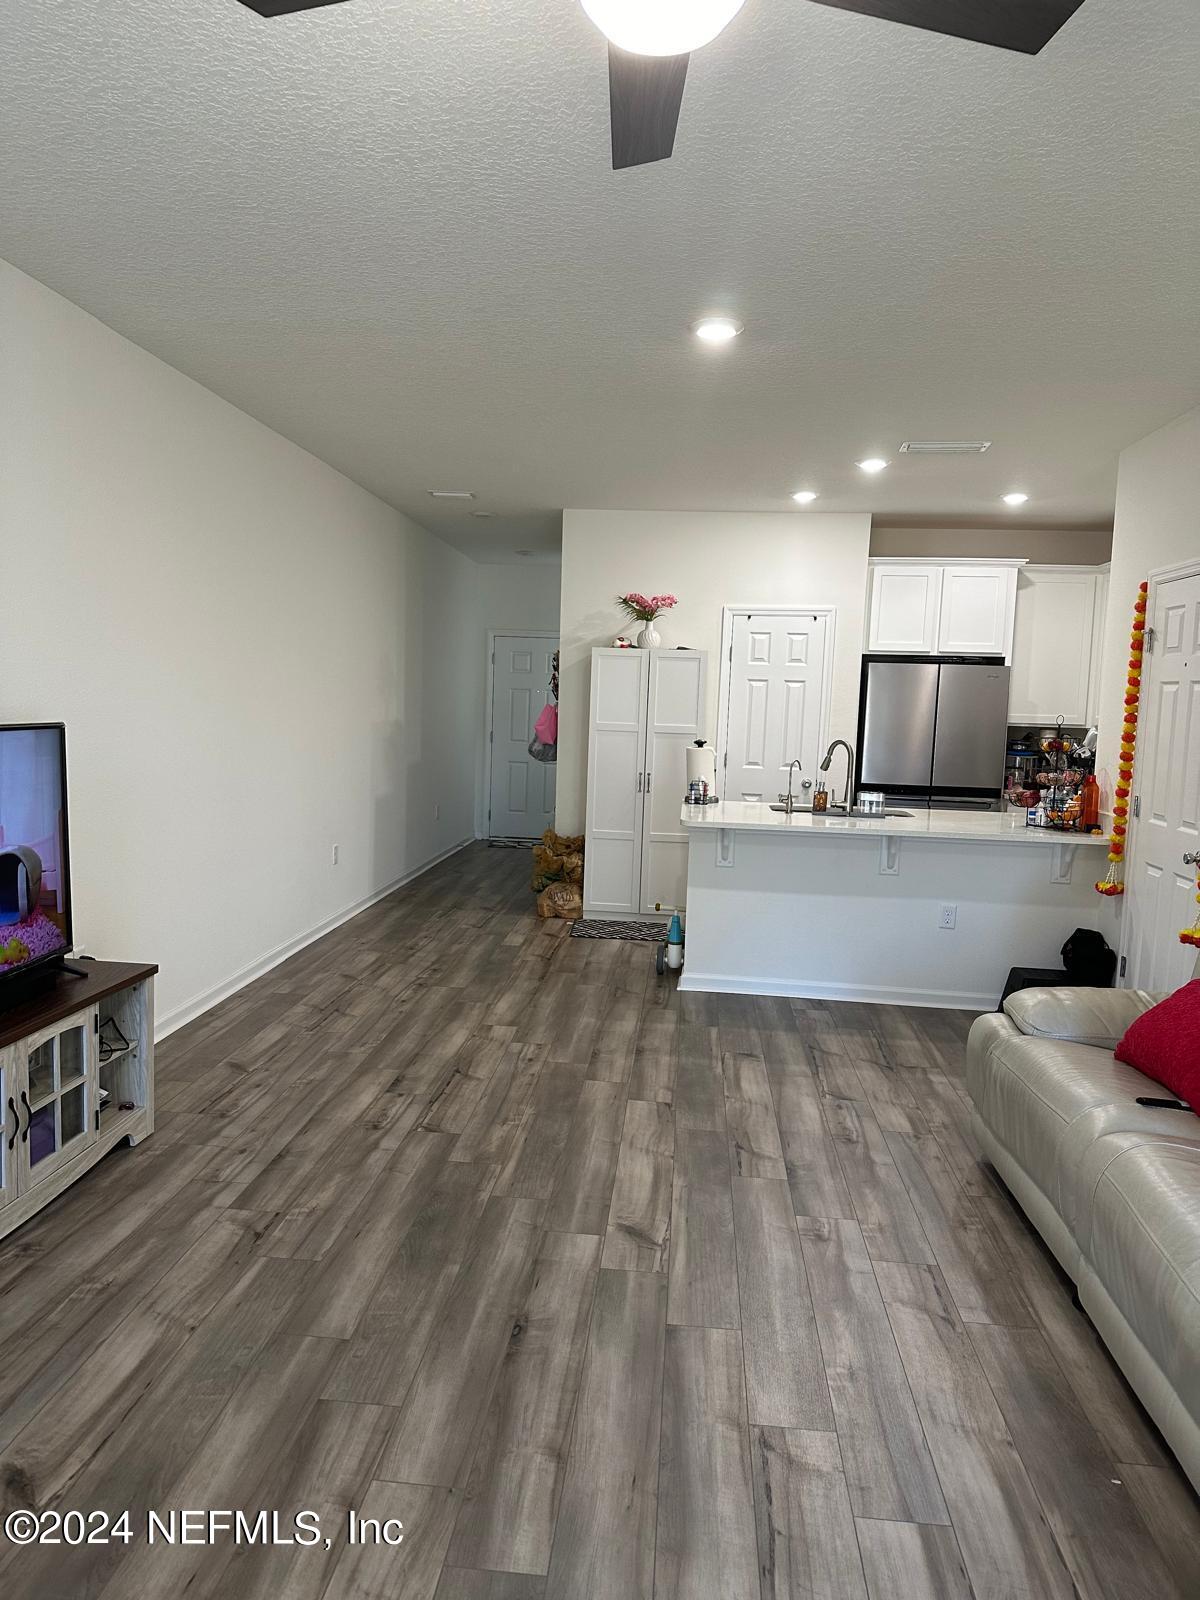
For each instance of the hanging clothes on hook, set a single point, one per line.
(544, 744)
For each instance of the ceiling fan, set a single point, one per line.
(650, 43)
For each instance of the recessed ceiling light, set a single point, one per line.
(872, 464)
(804, 497)
(717, 330)
(451, 494)
(1015, 499)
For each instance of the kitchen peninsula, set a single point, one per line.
(856, 908)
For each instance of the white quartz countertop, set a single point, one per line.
(974, 827)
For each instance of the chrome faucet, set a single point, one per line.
(788, 799)
(849, 749)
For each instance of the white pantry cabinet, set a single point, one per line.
(961, 608)
(1059, 628)
(646, 707)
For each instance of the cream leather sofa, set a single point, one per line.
(1113, 1187)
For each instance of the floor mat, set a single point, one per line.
(652, 932)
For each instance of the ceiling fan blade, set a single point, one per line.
(645, 93)
(1011, 24)
(284, 8)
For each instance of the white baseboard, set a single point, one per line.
(197, 1006)
(800, 989)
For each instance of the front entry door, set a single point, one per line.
(521, 799)
(1161, 886)
(776, 688)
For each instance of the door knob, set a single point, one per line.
(1192, 858)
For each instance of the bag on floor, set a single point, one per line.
(561, 900)
(558, 859)
(1090, 962)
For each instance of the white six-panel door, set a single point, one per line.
(616, 779)
(776, 689)
(521, 795)
(1160, 885)
(675, 719)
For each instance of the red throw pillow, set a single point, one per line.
(1164, 1043)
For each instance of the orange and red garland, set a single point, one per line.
(1112, 883)
(1192, 935)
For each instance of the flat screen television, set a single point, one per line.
(35, 872)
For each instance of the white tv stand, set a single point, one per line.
(69, 1089)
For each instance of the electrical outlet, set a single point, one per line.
(335, 852)
(947, 916)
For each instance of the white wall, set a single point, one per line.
(1157, 524)
(515, 598)
(254, 657)
(708, 559)
(1057, 546)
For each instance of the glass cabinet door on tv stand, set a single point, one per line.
(56, 1090)
(11, 1119)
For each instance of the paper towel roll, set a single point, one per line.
(702, 766)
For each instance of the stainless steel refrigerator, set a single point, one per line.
(934, 732)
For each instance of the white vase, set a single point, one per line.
(648, 639)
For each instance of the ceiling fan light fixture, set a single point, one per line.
(661, 27)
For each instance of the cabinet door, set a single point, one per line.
(677, 716)
(904, 609)
(11, 1119)
(1052, 647)
(616, 779)
(1099, 640)
(56, 1091)
(976, 615)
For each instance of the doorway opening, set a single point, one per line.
(520, 789)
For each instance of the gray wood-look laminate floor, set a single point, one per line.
(605, 1292)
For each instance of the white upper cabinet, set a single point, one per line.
(904, 608)
(1055, 645)
(976, 613)
(1099, 639)
(942, 608)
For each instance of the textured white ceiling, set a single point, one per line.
(390, 230)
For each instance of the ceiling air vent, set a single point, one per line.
(945, 447)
